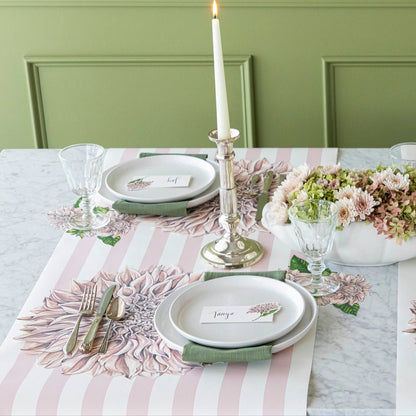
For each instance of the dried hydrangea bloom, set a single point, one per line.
(135, 348)
(205, 218)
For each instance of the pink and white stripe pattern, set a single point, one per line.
(278, 386)
(406, 342)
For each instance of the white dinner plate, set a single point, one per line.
(193, 202)
(176, 341)
(202, 176)
(243, 290)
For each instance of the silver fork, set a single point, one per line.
(86, 308)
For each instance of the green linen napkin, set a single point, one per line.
(168, 209)
(171, 209)
(202, 354)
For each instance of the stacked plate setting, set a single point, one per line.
(204, 184)
(177, 318)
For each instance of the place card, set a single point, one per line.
(263, 312)
(159, 181)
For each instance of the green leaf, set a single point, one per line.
(347, 308)
(136, 180)
(297, 263)
(78, 233)
(111, 241)
(102, 210)
(76, 205)
(269, 313)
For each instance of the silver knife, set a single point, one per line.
(264, 196)
(86, 345)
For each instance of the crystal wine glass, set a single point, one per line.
(404, 154)
(314, 223)
(82, 164)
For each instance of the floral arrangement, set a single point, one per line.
(384, 197)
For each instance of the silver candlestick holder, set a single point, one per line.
(231, 250)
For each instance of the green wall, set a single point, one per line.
(139, 73)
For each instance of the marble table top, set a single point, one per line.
(354, 363)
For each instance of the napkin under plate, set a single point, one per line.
(168, 209)
(199, 353)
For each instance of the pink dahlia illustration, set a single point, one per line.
(119, 224)
(134, 349)
(412, 320)
(353, 289)
(204, 219)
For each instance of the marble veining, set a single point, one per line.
(355, 357)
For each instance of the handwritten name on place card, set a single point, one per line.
(159, 181)
(232, 314)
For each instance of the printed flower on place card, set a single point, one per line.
(265, 309)
(138, 184)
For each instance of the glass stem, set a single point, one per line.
(87, 209)
(316, 267)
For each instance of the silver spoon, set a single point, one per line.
(115, 312)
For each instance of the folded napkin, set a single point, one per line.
(202, 354)
(168, 209)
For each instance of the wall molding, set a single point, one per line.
(35, 63)
(207, 3)
(329, 66)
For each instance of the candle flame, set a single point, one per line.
(215, 9)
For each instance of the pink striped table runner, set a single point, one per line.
(278, 386)
(406, 341)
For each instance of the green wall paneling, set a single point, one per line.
(135, 101)
(370, 100)
(299, 96)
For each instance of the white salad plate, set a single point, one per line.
(199, 199)
(176, 341)
(202, 176)
(240, 290)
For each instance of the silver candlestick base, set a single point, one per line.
(231, 250)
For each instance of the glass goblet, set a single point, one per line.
(314, 223)
(82, 164)
(404, 154)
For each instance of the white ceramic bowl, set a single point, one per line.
(356, 245)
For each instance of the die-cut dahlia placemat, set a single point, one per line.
(119, 224)
(352, 291)
(412, 320)
(134, 349)
(203, 219)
